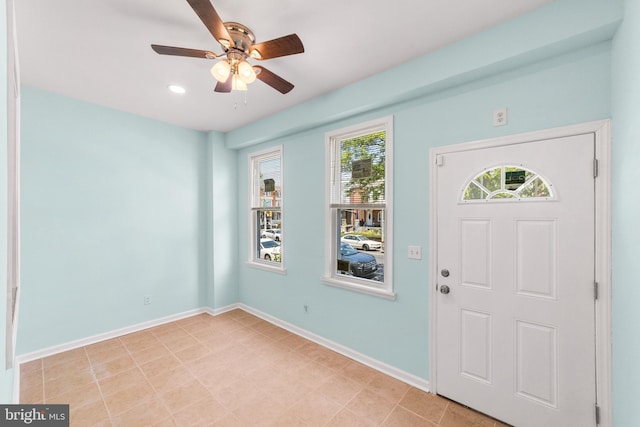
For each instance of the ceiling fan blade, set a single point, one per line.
(273, 80)
(283, 46)
(183, 51)
(226, 86)
(211, 20)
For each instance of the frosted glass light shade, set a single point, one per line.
(238, 84)
(221, 71)
(246, 73)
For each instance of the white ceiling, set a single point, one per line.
(99, 50)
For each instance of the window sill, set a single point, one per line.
(267, 267)
(364, 289)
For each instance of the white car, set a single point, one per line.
(360, 242)
(269, 249)
(272, 233)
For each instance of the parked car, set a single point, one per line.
(269, 248)
(272, 233)
(360, 265)
(360, 242)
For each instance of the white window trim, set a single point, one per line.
(331, 278)
(252, 261)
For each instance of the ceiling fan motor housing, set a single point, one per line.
(243, 37)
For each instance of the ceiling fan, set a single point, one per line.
(239, 44)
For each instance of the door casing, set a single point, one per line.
(602, 131)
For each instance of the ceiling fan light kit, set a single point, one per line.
(233, 71)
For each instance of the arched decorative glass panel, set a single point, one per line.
(507, 183)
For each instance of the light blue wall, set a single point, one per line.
(626, 214)
(223, 290)
(567, 89)
(114, 207)
(559, 28)
(6, 377)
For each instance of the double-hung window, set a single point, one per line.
(266, 220)
(359, 211)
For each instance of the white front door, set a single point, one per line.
(515, 330)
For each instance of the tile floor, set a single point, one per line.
(233, 369)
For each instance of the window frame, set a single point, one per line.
(254, 229)
(332, 233)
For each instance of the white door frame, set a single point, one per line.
(602, 131)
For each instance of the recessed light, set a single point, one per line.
(177, 89)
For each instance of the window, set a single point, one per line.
(266, 225)
(506, 182)
(359, 214)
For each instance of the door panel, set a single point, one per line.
(516, 333)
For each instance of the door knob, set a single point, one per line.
(444, 289)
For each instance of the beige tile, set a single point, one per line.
(401, 417)
(289, 420)
(340, 389)
(209, 336)
(171, 379)
(333, 360)
(113, 366)
(158, 366)
(311, 350)
(459, 416)
(180, 343)
(105, 346)
(427, 405)
(260, 410)
(358, 372)
(68, 382)
(77, 397)
(368, 404)
(230, 421)
(388, 387)
(194, 352)
(144, 336)
(66, 369)
(202, 413)
(236, 394)
(346, 418)
(215, 377)
(293, 341)
(34, 394)
(68, 356)
(128, 398)
(313, 375)
(249, 320)
(121, 381)
(151, 413)
(144, 355)
(283, 390)
(188, 393)
(93, 414)
(31, 367)
(31, 380)
(315, 409)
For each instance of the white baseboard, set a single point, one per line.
(392, 371)
(50, 351)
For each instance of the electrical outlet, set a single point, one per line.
(415, 252)
(500, 117)
(147, 300)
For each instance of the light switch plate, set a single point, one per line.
(415, 252)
